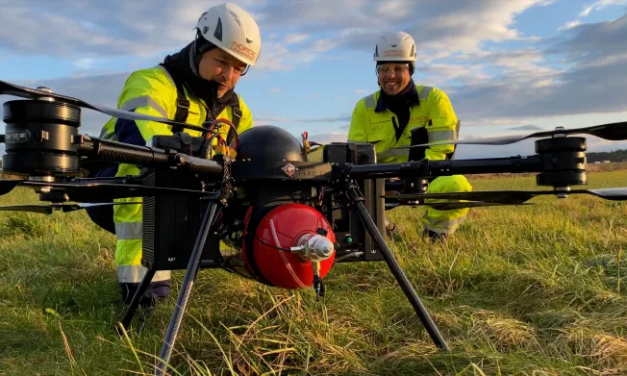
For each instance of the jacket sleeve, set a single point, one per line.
(357, 128)
(145, 92)
(148, 93)
(442, 125)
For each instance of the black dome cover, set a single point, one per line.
(269, 142)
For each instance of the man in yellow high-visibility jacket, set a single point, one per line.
(192, 86)
(387, 118)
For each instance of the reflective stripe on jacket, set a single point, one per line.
(153, 92)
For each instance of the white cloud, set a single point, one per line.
(85, 63)
(597, 5)
(323, 45)
(275, 90)
(296, 38)
(438, 74)
(112, 29)
(570, 25)
(272, 58)
(392, 8)
(600, 4)
(452, 26)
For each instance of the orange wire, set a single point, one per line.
(226, 121)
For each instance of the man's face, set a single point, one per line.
(222, 68)
(393, 77)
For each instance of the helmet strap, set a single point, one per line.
(201, 45)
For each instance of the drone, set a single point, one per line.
(289, 219)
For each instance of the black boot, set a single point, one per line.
(435, 236)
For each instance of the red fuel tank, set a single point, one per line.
(283, 227)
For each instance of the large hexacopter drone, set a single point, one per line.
(288, 219)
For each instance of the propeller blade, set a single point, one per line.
(25, 92)
(503, 197)
(610, 131)
(74, 207)
(66, 208)
(612, 194)
(457, 205)
(100, 192)
(508, 197)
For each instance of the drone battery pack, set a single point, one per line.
(171, 224)
(349, 231)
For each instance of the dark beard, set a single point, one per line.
(184, 65)
(401, 101)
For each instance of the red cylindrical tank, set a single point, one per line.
(282, 228)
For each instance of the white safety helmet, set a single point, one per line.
(233, 30)
(396, 46)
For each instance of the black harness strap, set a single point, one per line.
(237, 116)
(183, 104)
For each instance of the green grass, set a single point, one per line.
(517, 291)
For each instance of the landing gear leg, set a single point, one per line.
(186, 288)
(357, 199)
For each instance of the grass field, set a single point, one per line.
(534, 290)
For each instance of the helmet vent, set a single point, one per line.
(235, 17)
(218, 32)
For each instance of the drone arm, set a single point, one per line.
(426, 168)
(116, 152)
(485, 166)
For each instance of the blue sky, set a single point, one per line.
(504, 64)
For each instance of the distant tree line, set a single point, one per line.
(613, 156)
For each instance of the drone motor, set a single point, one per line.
(563, 161)
(41, 138)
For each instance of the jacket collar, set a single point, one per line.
(412, 94)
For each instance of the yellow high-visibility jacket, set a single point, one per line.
(153, 92)
(372, 122)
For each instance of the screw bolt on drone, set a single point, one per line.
(315, 248)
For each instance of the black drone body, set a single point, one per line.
(259, 195)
